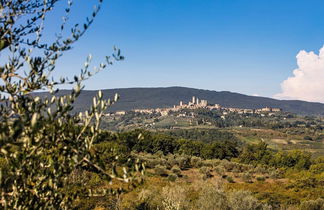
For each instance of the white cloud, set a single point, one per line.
(307, 82)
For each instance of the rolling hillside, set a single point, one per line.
(134, 98)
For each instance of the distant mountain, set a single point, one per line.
(135, 98)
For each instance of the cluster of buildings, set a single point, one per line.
(196, 103)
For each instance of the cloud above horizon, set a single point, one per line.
(307, 82)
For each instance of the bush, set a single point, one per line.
(195, 162)
(274, 174)
(211, 162)
(305, 182)
(183, 161)
(149, 160)
(308, 138)
(147, 199)
(152, 163)
(260, 170)
(172, 177)
(317, 168)
(220, 170)
(159, 154)
(212, 198)
(176, 170)
(229, 166)
(239, 168)
(170, 161)
(261, 178)
(243, 200)
(230, 179)
(206, 172)
(174, 198)
(313, 205)
(160, 170)
(236, 171)
(247, 177)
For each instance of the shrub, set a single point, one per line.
(211, 198)
(174, 198)
(312, 204)
(152, 163)
(176, 170)
(261, 178)
(211, 162)
(260, 170)
(229, 166)
(172, 177)
(195, 162)
(160, 170)
(206, 172)
(305, 182)
(247, 177)
(220, 170)
(147, 199)
(214, 199)
(149, 160)
(243, 200)
(308, 138)
(170, 161)
(230, 179)
(317, 168)
(238, 168)
(274, 174)
(159, 154)
(183, 161)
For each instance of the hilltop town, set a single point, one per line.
(197, 103)
(199, 114)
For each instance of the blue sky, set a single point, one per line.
(245, 46)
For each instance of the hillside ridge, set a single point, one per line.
(161, 97)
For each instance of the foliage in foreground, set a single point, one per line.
(41, 141)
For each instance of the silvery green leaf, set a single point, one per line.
(34, 119)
